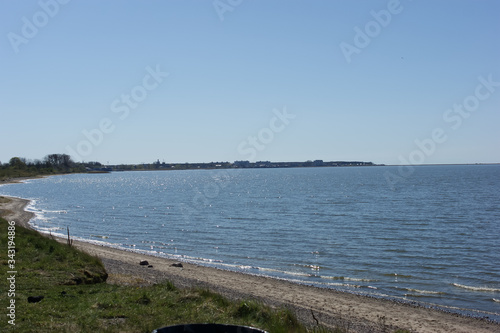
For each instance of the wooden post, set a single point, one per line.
(70, 242)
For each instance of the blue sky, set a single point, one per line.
(197, 81)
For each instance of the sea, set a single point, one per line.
(426, 235)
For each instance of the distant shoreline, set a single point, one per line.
(258, 165)
(450, 164)
(228, 165)
(277, 165)
(98, 168)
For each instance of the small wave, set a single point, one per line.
(345, 278)
(101, 243)
(339, 284)
(426, 291)
(54, 211)
(310, 266)
(39, 213)
(284, 272)
(245, 267)
(398, 275)
(487, 289)
(496, 300)
(199, 259)
(51, 229)
(99, 236)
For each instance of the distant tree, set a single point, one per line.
(92, 164)
(17, 163)
(66, 161)
(52, 159)
(61, 162)
(38, 164)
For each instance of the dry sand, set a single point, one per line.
(329, 307)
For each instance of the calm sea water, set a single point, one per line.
(433, 238)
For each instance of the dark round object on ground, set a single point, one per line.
(35, 299)
(208, 328)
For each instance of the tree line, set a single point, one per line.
(50, 164)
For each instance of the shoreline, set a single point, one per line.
(330, 307)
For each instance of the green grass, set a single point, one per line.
(76, 298)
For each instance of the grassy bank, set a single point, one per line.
(76, 297)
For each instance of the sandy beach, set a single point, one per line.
(311, 304)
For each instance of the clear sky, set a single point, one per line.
(199, 81)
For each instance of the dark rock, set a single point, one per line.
(65, 294)
(178, 264)
(144, 263)
(150, 266)
(34, 299)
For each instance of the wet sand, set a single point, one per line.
(311, 304)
